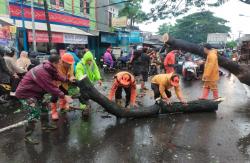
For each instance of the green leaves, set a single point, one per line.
(195, 27)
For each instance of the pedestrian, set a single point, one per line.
(5, 75)
(211, 72)
(161, 84)
(124, 81)
(87, 66)
(141, 64)
(16, 72)
(66, 70)
(108, 59)
(38, 81)
(169, 61)
(70, 50)
(23, 61)
(33, 60)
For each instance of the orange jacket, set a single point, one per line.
(67, 73)
(211, 69)
(116, 84)
(169, 60)
(163, 80)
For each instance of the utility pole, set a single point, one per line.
(48, 24)
(33, 26)
(25, 46)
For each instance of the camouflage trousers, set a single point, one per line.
(34, 107)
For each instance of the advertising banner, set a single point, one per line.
(42, 36)
(54, 17)
(119, 22)
(75, 39)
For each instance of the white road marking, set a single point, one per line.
(13, 126)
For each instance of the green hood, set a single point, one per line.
(87, 56)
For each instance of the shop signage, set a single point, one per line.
(42, 36)
(119, 22)
(75, 39)
(54, 16)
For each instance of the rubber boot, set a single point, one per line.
(86, 111)
(29, 129)
(45, 123)
(54, 113)
(64, 106)
(205, 94)
(216, 94)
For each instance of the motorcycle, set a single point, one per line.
(189, 70)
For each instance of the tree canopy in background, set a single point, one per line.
(195, 27)
(162, 9)
(133, 12)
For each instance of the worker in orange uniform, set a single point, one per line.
(211, 73)
(169, 61)
(65, 69)
(161, 84)
(124, 80)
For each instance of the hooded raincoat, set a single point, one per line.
(92, 71)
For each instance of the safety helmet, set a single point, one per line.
(67, 58)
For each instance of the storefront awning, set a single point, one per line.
(43, 27)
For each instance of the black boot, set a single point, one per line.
(45, 122)
(28, 133)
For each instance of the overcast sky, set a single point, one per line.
(229, 11)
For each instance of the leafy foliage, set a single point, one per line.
(195, 27)
(133, 12)
(231, 44)
(163, 9)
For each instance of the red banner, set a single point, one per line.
(54, 17)
(42, 36)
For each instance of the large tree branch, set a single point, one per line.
(242, 72)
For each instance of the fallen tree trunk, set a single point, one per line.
(88, 91)
(242, 72)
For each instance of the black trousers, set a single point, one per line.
(118, 94)
(155, 88)
(54, 99)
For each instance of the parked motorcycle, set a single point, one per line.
(189, 70)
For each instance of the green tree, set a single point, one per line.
(163, 9)
(195, 27)
(133, 12)
(231, 44)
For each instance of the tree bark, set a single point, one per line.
(242, 72)
(88, 91)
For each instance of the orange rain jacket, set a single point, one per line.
(116, 84)
(169, 60)
(211, 69)
(67, 73)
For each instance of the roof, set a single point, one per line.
(43, 27)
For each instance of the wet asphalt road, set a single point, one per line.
(222, 137)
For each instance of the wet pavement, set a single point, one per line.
(221, 137)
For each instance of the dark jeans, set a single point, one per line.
(118, 94)
(15, 82)
(155, 88)
(54, 99)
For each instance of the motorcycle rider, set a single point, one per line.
(108, 59)
(189, 64)
(16, 72)
(5, 75)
